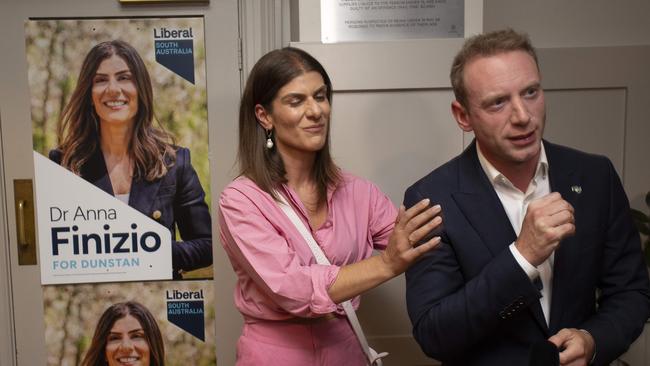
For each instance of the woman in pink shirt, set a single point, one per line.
(288, 301)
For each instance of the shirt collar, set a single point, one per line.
(292, 196)
(496, 177)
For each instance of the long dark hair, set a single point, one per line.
(150, 148)
(96, 355)
(265, 166)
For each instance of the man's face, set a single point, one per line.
(505, 108)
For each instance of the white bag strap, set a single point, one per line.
(373, 357)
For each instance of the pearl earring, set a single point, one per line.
(269, 142)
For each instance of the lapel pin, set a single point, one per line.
(576, 189)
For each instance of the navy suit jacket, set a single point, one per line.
(472, 304)
(177, 197)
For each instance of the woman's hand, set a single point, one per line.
(411, 227)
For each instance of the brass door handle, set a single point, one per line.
(20, 224)
(25, 227)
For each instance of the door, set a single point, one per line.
(21, 308)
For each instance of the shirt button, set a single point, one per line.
(156, 215)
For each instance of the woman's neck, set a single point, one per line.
(115, 139)
(298, 166)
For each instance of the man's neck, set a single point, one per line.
(519, 174)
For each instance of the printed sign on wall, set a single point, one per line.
(386, 20)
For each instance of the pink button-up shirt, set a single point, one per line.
(278, 277)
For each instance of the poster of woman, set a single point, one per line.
(119, 111)
(143, 323)
(122, 185)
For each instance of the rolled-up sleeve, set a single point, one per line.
(260, 252)
(382, 217)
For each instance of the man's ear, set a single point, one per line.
(461, 115)
(263, 118)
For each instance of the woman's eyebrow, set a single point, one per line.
(125, 71)
(292, 95)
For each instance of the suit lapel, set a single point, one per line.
(482, 207)
(94, 171)
(142, 195)
(563, 179)
(480, 204)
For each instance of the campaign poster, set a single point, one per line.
(120, 136)
(172, 321)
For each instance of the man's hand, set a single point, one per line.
(548, 220)
(577, 346)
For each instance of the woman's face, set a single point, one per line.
(300, 114)
(114, 94)
(127, 344)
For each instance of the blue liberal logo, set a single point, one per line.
(175, 50)
(188, 314)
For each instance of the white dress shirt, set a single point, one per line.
(515, 203)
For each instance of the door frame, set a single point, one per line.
(7, 331)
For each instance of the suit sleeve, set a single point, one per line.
(451, 313)
(624, 302)
(192, 218)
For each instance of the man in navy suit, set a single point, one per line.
(538, 242)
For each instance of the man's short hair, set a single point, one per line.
(483, 45)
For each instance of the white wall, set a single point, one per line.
(573, 23)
